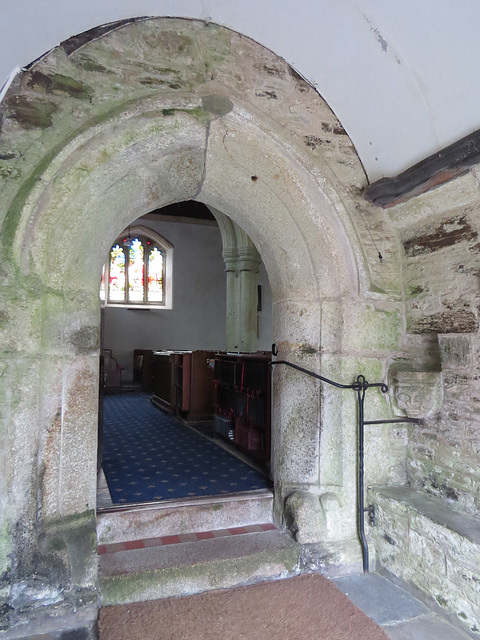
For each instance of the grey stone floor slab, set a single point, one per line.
(380, 599)
(74, 634)
(431, 627)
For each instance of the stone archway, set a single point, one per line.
(156, 112)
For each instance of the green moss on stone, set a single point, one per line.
(198, 113)
(371, 368)
(412, 292)
(160, 82)
(87, 63)
(376, 329)
(57, 544)
(14, 213)
(307, 349)
(71, 521)
(441, 601)
(8, 171)
(5, 548)
(136, 587)
(59, 83)
(72, 540)
(376, 289)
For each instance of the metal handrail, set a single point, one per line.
(360, 382)
(360, 386)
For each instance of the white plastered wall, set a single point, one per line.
(411, 67)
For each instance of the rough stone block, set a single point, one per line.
(450, 232)
(440, 548)
(304, 517)
(360, 327)
(456, 351)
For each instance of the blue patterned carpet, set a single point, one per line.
(149, 456)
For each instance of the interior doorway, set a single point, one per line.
(132, 147)
(175, 360)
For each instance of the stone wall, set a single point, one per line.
(425, 533)
(439, 234)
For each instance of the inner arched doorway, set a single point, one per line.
(169, 355)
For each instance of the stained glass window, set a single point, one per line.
(155, 276)
(116, 285)
(135, 272)
(136, 269)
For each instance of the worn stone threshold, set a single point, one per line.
(258, 494)
(124, 523)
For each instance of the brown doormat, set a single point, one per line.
(308, 607)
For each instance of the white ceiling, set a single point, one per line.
(403, 76)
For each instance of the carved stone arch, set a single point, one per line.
(140, 229)
(155, 112)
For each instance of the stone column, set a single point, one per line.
(242, 262)
(245, 299)
(232, 303)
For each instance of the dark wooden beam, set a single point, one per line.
(75, 42)
(188, 209)
(438, 168)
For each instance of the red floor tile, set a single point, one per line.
(182, 538)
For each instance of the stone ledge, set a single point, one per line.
(433, 548)
(76, 613)
(435, 510)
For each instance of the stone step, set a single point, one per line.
(191, 567)
(193, 515)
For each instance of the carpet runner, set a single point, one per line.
(149, 456)
(308, 607)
